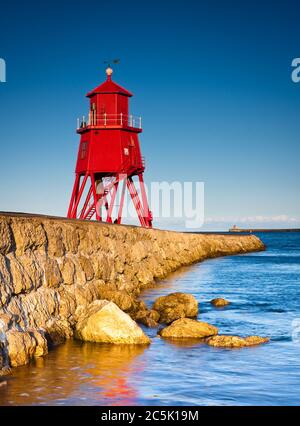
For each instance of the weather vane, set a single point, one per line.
(113, 61)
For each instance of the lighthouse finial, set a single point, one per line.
(109, 70)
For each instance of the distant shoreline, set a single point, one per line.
(254, 230)
(244, 231)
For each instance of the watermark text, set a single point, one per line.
(296, 70)
(2, 71)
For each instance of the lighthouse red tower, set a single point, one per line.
(109, 157)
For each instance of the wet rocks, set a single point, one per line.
(5, 370)
(219, 302)
(104, 322)
(185, 328)
(235, 341)
(140, 313)
(175, 306)
(2, 360)
(57, 331)
(22, 346)
(148, 317)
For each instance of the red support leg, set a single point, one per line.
(102, 201)
(83, 211)
(148, 215)
(74, 211)
(74, 195)
(93, 185)
(102, 198)
(122, 201)
(136, 201)
(112, 202)
(94, 201)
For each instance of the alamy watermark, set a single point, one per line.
(2, 71)
(296, 70)
(173, 202)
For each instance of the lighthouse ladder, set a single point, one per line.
(91, 213)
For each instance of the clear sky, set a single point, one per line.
(212, 80)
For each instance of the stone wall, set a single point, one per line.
(51, 267)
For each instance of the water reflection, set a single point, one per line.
(100, 371)
(185, 343)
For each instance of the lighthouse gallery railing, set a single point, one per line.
(109, 120)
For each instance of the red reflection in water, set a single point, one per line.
(77, 373)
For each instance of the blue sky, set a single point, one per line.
(211, 79)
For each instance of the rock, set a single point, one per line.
(148, 317)
(87, 267)
(5, 371)
(71, 238)
(103, 266)
(6, 237)
(41, 347)
(21, 280)
(120, 297)
(6, 284)
(52, 273)
(185, 328)
(68, 271)
(54, 234)
(175, 306)
(219, 302)
(4, 367)
(67, 303)
(28, 235)
(143, 315)
(104, 322)
(139, 251)
(138, 305)
(22, 346)
(57, 331)
(2, 360)
(235, 341)
(144, 276)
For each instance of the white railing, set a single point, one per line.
(104, 120)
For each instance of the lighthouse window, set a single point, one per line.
(83, 152)
(126, 151)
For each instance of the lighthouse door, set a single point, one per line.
(132, 151)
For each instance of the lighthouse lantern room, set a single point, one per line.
(109, 156)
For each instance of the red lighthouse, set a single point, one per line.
(109, 157)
